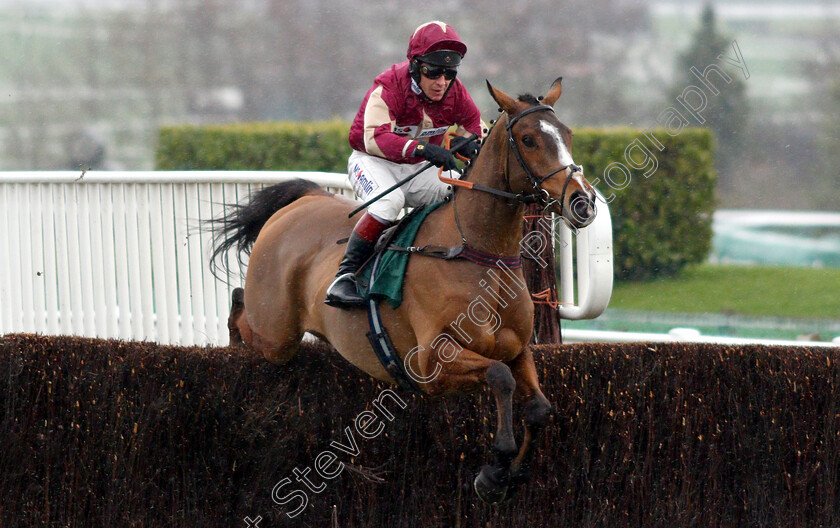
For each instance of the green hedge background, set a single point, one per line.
(315, 146)
(661, 222)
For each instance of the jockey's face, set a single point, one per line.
(436, 88)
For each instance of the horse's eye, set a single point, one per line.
(529, 142)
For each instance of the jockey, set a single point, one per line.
(400, 126)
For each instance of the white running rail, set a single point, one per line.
(121, 255)
(682, 335)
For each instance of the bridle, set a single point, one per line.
(542, 197)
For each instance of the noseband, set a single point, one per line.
(543, 197)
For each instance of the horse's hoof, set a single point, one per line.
(488, 489)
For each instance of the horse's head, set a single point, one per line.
(541, 148)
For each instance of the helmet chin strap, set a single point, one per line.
(415, 87)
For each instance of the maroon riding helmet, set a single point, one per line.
(437, 44)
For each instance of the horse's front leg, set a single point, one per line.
(491, 484)
(467, 372)
(537, 410)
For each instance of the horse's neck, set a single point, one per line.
(490, 223)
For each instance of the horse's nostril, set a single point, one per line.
(581, 206)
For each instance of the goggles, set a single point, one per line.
(434, 72)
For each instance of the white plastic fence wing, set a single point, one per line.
(590, 254)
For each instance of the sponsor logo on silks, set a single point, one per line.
(416, 133)
(362, 184)
(405, 130)
(433, 132)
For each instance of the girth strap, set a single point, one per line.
(381, 342)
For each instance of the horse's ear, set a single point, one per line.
(554, 92)
(506, 102)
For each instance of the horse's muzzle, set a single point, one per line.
(581, 209)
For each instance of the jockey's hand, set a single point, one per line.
(436, 154)
(466, 147)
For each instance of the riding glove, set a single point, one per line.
(466, 147)
(436, 154)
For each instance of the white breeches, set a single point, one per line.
(371, 175)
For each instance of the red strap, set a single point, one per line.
(544, 297)
(490, 260)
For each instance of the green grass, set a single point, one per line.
(742, 290)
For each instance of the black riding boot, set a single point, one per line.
(343, 292)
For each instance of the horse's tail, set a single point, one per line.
(240, 226)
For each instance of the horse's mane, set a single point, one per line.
(466, 173)
(528, 98)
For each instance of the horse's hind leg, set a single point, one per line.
(277, 351)
(237, 310)
(277, 348)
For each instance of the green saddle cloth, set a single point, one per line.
(390, 274)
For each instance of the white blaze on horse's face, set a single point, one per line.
(554, 132)
(565, 157)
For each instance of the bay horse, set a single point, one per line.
(456, 345)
